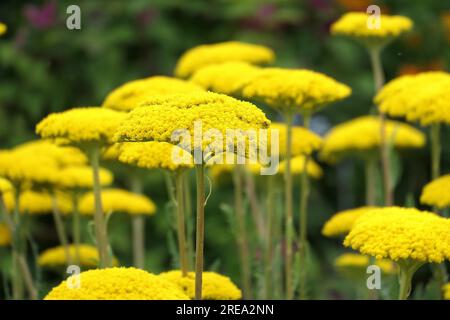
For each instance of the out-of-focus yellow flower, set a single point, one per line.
(116, 284)
(3, 28)
(214, 286)
(153, 155)
(359, 261)
(204, 55)
(364, 28)
(80, 177)
(81, 126)
(129, 95)
(298, 166)
(162, 116)
(304, 141)
(228, 78)
(362, 135)
(5, 235)
(117, 200)
(401, 234)
(342, 222)
(56, 257)
(5, 186)
(422, 97)
(436, 192)
(447, 291)
(33, 202)
(295, 90)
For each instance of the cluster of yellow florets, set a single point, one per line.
(214, 286)
(5, 235)
(298, 167)
(359, 261)
(401, 234)
(116, 284)
(304, 141)
(153, 154)
(80, 177)
(118, 200)
(201, 56)
(56, 257)
(294, 90)
(5, 186)
(447, 291)
(228, 78)
(342, 222)
(37, 202)
(131, 94)
(361, 25)
(82, 125)
(363, 134)
(436, 193)
(3, 28)
(423, 97)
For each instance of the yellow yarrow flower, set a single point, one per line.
(363, 135)
(228, 78)
(153, 155)
(34, 202)
(401, 234)
(214, 286)
(293, 91)
(160, 117)
(423, 97)
(56, 257)
(5, 235)
(359, 261)
(80, 177)
(447, 291)
(129, 95)
(116, 284)
(364, 28)
(118, 200)
(436, 192)
(204, 55)
(5, 186)
(298, 167)
(304, 141)
(3, 28)
(342, 222)
(81, 126)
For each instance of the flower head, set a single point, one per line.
(56, 257)
(295, 90)
(116, 284)
(298, 167)
(5, 235)
(118, 200)
(34, 202)
(304, 141)
(401, 234)
(153, 154)
(203, 55)
(342, 222)
(129, 95)
(81, 178)
(228, 78)
(423, 97)
(82, 126)
(435, 193)
(447, 291)
(214, 287)
(359, 261)
(363, 28)
(5, 186)
(3, 28)
(363, 135)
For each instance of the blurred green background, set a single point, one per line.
(44, 67)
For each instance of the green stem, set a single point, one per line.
(76, 226)
(189, 225)
(253, 201)
(200, 230)
(60, 229)
(17, 283)
(378, 75)
(406, 273)
(181, 225)
(242, 230)
(370, 164)
(435, 137)
(138, 227)
(269, 238)
(99, 217)
(289, 209)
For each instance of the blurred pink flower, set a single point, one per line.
(41, 17)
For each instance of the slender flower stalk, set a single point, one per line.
(405, 275)
(181, 225)
(200, 230)
(270, 208)
(99, 218)
(370, 166)
(76, 232)
(254, 207)
(138, 228)
(189, 225)
(242, 239)
(60, 229)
